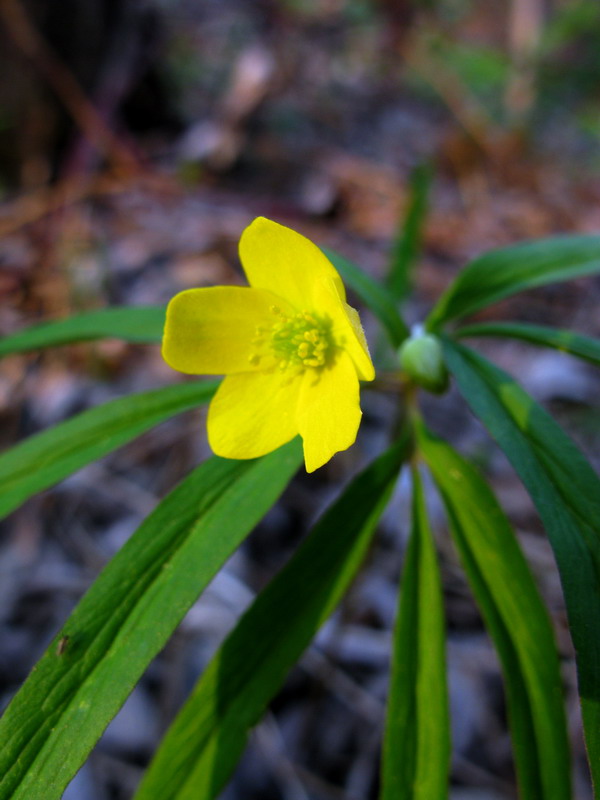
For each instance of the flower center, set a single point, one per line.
(301, 340)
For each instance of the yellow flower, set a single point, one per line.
(290, 347)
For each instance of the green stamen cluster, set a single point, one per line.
(302, 340)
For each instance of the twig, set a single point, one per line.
(270, 739)
(58, 76)
(39, 203)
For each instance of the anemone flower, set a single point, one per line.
(291, 349)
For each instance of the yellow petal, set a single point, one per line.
(277, 258)
(212, 331)
(357, 346)
(253, 413)
(328, 411)
(346, 328)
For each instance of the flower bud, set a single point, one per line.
(422, 359)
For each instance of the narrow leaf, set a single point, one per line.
(208, 736)
(48, 457)
(566, 492)
(133, 324)
(574, 343)
(373, 294)
(516, 618)
(504, 272)
(416, 750)
(127, 616)
(408, 242)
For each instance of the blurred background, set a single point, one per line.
(137, 139)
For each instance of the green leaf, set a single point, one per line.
(582, 346)
(127, 616)
(566, 492)
(209, 734)
(516, 618)
(416, 749)
(373, 294)
(133, 324)
(504, 272)
(46, 458)
(408, 242)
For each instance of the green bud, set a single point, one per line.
(421, 357)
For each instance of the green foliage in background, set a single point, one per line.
(140, 597)
(553, 48)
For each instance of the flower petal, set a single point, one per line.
(357, 346)
(211, 331)
(277, 258)
(328, 411)
(253, 413)
(346, 328)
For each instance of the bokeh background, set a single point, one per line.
(137, 139)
